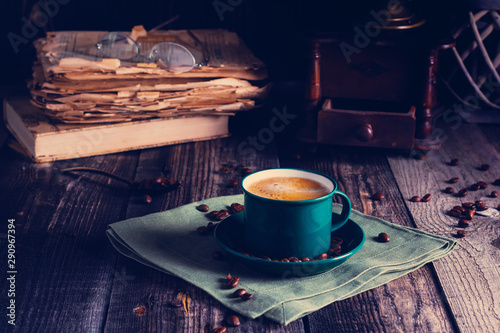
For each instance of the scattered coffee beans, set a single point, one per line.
(233, 321)
(484, 167)
(461, 234)
(494, 194)
(416, 198)
(481, 207)
(453, 180)
(469, 214)
(454, 162)
(378, 196)
(468, 205)
(240, 292)
(463, 223)
(236, 208)
(427, 197)
(449, 190)
(463, 192)
(482, 185)
(203, 208)
(146, 198)
(454, 213)
(176, 304)
(321, 256)
(474, 187)
(246, 296)
(220, 329)
(383, 237)
(232, 282)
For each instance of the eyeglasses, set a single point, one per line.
(171, 56)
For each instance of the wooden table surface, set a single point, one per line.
(70, 279)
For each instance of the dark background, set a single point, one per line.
(273, 29)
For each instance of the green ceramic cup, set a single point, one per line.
(283, 229)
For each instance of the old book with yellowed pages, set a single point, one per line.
(45, 139)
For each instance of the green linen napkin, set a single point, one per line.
(168, 241)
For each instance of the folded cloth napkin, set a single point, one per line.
(168, 241)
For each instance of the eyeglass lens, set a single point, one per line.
(173, 57)
(118, 45)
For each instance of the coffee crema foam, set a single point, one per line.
(288, 188)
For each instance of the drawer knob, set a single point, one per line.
(364, 133)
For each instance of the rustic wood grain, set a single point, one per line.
(197, 164)
(405, 304)
(63, 260)
(469, 275)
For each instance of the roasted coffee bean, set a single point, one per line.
(321, 256)
(232, 183)
(229, 276)
(427, 197)
(233, 321)
(474, 187)
(294, 259)
(236, 208)
(176, 304)
(449, 190)
(378, 196)
(146, 198)
(213, 214)
(484, 167)
(481, 208)
(203, 208)
(454, 213)
(246, 171)
(478, 202)
(239, 292)
(497, 182)
(285, 260)
(469, 214)
(246, 296)
(482, 185)
(459, 208)
(202, 230)
(220, 329)
(463, 192)
(383, 237)
(225, 170)
(454, 162)
(264, 257)
(463, 223)
(416, 198)
(453, 180)
(220, 216)
(494, 194)
(461, 234)
(211, 226)
(306, 259)
(468, 205)
(217, 255)
(233, 282)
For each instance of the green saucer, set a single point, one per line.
(229, 235)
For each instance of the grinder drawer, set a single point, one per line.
(387, 125)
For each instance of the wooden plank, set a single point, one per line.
(64, 262)
(469, 275)
(407, 303)
(197, 164)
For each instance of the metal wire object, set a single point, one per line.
(477, 53)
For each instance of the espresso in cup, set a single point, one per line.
(288, 188)
(288, 213)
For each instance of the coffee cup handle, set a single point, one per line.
(346, 211)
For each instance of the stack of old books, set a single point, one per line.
(132, 102)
